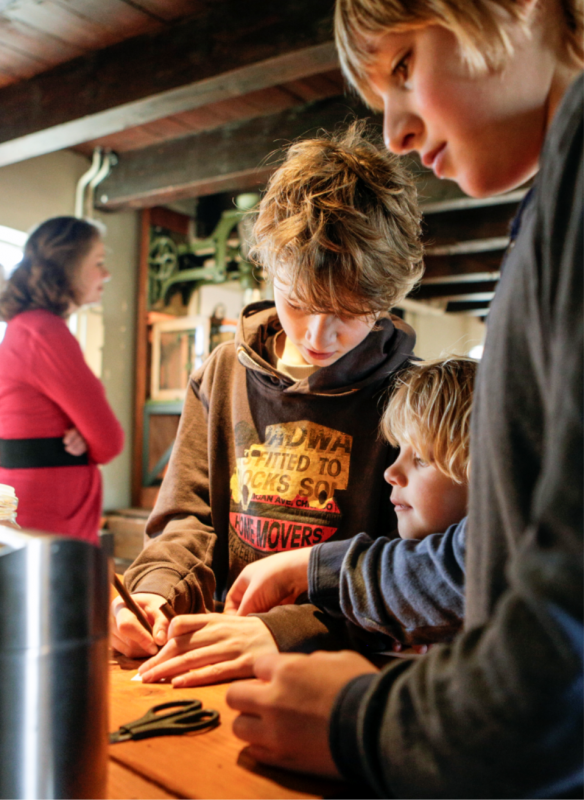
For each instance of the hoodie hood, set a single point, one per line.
(384, 350)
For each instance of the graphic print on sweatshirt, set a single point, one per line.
(283, 490)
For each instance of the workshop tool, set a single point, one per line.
(131, 604)
(168, 611)
(182, 716)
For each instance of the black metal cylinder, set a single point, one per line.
(54, 597)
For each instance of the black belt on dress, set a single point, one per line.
(33, 453)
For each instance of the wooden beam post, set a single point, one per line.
(141, 355)
(219, 53)
(234, 157)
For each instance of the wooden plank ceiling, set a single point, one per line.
(193, 96)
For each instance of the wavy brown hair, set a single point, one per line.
(339, 224)
(480, 26)
(430, 410)
(45, 278)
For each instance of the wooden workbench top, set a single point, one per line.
(209, 764)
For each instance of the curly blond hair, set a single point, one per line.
(430, 410)
(480, 27)
(339, 224)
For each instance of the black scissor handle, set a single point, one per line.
(182, 707)
(190, 716)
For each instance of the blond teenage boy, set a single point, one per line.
(387, 586)
(278, 446)
(476, 88)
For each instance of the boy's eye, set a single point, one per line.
(402, 68)
(419, 461)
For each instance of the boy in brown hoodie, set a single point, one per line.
(278, 445)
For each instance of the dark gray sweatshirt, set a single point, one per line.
(498, 713)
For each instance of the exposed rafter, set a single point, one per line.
(222, 52)
(231, 158)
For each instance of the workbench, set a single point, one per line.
(207, 764)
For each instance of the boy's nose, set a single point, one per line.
(401, 129)
(321, 331)
(394, 475)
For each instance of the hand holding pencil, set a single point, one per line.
(138, 622)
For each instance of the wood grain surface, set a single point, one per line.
(122, 783)
(209, 764)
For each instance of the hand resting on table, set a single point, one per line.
(285, 713)
(209, 648)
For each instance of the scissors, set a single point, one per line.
(188, 715)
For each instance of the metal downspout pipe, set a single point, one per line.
(101, 165)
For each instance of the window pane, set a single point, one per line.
(11, 244)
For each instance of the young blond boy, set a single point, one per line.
(428, 418)
(387, 586)
(475, 88)
(278, 444)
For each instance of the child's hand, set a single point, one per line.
(285, 715)
(74, 442)
(127, 634)
(272, 581)
(217, 648)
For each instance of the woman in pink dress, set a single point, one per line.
(56, 425)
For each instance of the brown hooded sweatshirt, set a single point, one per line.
(263, 463)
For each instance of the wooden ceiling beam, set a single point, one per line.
(469, 306)
(464, 290)
(219, 53)
(233, 157)
(471, 223)
(463, 265)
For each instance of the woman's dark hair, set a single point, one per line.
(45, 277)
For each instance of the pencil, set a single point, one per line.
(168, 611)
(131, 604)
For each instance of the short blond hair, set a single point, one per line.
(430, 410)
(339, 224)
(478, 25)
